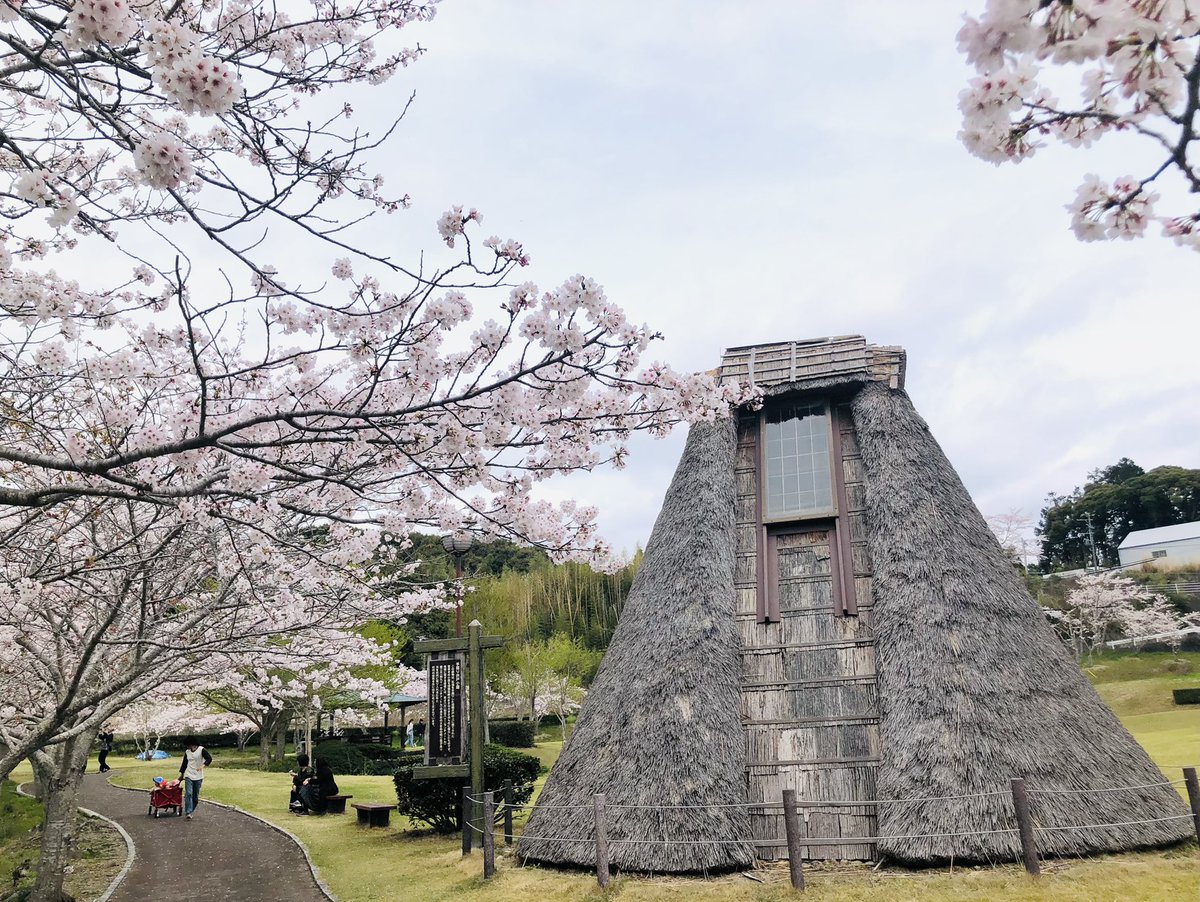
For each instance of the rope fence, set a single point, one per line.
(827, 803)
(1025, 827)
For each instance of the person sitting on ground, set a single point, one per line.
(299, 779)
(316, 791)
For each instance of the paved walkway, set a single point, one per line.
(219, 854)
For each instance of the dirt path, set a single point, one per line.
(219, 854)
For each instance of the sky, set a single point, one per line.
(744, 173)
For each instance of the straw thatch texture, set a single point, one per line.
(975, 687)
(660, 726)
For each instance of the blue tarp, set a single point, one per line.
(156, 755)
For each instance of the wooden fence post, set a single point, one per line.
(1029, 851)
(489, 836)
(1193, 788)
(791, 825)
(602, 875)
(466, 820)
(508, 814)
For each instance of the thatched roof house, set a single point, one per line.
(821, 607)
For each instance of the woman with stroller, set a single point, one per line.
(312, 786)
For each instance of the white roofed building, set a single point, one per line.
(1164, 546)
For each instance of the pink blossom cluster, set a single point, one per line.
(109, 22)
(454, 221)
(1120, 210)
(1137, 65)
(200, 84)
(35, 187)
(163, 162)
(508, 249)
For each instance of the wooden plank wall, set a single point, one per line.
(808, 692)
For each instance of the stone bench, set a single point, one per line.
(373, 814)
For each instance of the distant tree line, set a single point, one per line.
(514, 591)
(1120, 499)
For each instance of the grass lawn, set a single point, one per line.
(375, 865)
(1138, 688)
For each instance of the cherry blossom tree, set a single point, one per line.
(1014, 531)
(218, 391)
(161, 714)
(103, 601)
(1077, 71)
(308, 675)
(1103, 606)
(386, 395)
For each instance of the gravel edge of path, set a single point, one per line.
(312, 868)
(130, 847)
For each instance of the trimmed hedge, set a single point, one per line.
(1187, 696)
(342, 757)
(365, 760)
(518, 734)
(438, 803)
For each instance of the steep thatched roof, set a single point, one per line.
(660, 725)
(975, 688)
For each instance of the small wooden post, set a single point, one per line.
(1193, 788)
(508, 812)
(791, 825)
(489, 836)
(466, 820)
(1029, 852)
(602, 875)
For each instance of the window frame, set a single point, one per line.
(835, 520)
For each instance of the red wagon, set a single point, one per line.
(166, 799)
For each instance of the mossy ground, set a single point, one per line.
(101, 849)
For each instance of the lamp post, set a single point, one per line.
(457, 544)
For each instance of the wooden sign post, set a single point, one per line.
(445, 754)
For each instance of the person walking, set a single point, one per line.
(106, 741)
(195, 759)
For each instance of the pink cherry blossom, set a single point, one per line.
(1138, 63)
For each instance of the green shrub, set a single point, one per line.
(518, 734)
(381, 752)
(438, 803)
(1187, 696)
(342, 757)
(385, 767)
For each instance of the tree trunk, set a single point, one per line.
(281, 740)
(264, 746)
(60, 800)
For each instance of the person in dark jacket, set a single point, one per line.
(106, 741)
(315, 791)
(300, 778)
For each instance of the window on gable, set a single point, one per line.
(803, 535)
(798, 480)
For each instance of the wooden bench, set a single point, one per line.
(373, 814)
(336, 804)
